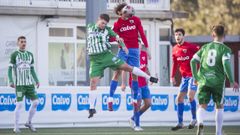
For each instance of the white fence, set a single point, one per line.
(67, 107)
(137, 4)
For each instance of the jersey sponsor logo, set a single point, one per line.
(181, 58)
(131, 21)
(41, 104)
(129, 106)
(61, 102)
(7, 102)
(127, 28)
(116, 102)
(83, 102)
(210, 106)
(184, 50)
(186, 103)
(159, 102)
(231, 103)
(210, 74)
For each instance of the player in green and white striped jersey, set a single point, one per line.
(101, 57)
(98, 39)
(21, 62)
(214, 59)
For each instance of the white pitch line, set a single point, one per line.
(123, 133)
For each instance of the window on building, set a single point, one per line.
(165, 55)
(61, 64)
(67, 56)
(164, 34)
(81, 32)
(81, 64)
(60, 32)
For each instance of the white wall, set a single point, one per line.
(36, 31)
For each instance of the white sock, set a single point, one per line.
(17, 114)
(92, 98)
(200, 115)
(32, 110)
(219, 121)
(139, 72)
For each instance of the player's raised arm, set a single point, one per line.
(118, 39)
(143, 37)
(141, 32)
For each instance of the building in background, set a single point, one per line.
(56, 33)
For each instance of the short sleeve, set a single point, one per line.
(197, 56)
(227, 54)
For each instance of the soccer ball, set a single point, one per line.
(129, 10)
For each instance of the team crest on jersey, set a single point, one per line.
(143, 58)
(131, 21)
(184, 50)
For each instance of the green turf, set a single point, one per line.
(228, 130)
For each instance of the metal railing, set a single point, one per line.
(137, 4)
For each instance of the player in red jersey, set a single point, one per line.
(144, 92)
(128, 27)
(182, 54)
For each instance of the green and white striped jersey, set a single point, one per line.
(98, 39)
(22, 62)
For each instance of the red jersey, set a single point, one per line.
(143, 66)
(182, 55)
(128, 30)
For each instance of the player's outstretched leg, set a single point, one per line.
(138, 72)
(32, 111)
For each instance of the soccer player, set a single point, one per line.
(101, 57)
(182, 54)
(144, 92)
(214, 59)
(128, 27)
(21, 62)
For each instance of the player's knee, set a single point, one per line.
(126, 67)
(35, 103)
(134, 77)
(219, 106)
(190, 99)
(180, 99)
(116, 75)
(19, 105)
(148, 104)
(93, 82)
(93, 87)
